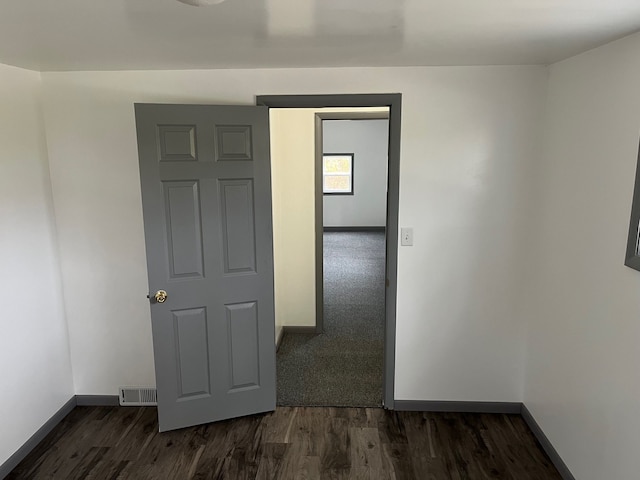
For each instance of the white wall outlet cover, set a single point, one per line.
(406, 236)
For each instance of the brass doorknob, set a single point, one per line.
(161, 296)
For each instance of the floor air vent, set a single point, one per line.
(138, 396)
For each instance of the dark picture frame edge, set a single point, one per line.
(632, 257)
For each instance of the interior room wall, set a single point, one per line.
(368, 140)
(34, 350)
(468, 139)
(582, 382)
(293, 186)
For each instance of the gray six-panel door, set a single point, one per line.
(206, 195)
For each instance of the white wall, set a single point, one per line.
(34, 351)
(582, 381)
(468, 136)
(294, 239)
(368, 140)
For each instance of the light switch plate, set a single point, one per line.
(406, 236)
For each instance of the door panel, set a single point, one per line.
(192, 352)
(236, 201)
(206, 194)
(243, 345)
(177, 142)
(184, 232)
(234, 142)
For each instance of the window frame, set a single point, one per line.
(351, 175)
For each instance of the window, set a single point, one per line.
(337, 173)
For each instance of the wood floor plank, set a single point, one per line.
(293, 462)
(211, 469)
(520, 451)
(426, 453)
(63, 442)
(278, 424)
(294, 443)
(310, 469)
(112, 470)
(308, 431)
(396, 458)
(336, 452)
(366, 454)
(391, 427)
(86, 467)
(272, 455)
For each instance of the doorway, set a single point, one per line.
(393, 103)
(206, 197)
(340, 361)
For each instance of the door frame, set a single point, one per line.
(394, 102)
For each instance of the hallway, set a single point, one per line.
(343, 366)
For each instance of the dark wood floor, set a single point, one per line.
(291, 443)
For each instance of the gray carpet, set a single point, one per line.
(343, 366)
